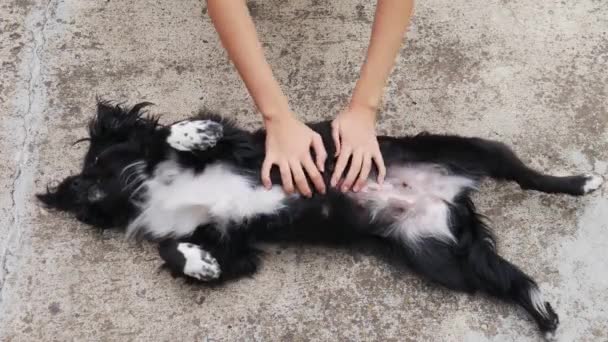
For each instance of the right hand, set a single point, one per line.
(288, 144)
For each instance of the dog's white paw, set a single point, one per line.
(554, 336)
(195, 135)
(592, 183)
(199, 263)
(551, 336)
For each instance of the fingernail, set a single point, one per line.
(332, 183)
(345, 188)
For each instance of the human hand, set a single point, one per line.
(354, 134)
(288, 144)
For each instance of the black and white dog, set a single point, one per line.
(194, 187)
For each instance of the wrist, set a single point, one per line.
(365, 100)
(277, 116)
(363, 108)
(275, 112)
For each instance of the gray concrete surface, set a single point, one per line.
(530, 73)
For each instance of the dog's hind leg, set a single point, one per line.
(497, 277)
(503, 164)
(489, 272)
(479, 158)
(480, 269)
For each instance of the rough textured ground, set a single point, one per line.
(530, 73)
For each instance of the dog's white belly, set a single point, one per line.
(415, 199)
(176, 201)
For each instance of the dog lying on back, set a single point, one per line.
(194, 187)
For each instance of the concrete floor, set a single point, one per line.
(529, 73)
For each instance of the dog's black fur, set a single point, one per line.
(119, 136)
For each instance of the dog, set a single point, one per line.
(194, 188)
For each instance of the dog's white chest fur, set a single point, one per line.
(176, 200)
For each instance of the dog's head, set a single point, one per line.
(100, 194)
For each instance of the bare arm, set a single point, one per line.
(354, 128)
(238, 35)
(390, 23)
(288, 140)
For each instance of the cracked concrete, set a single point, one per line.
(531, 74)
(22, 127)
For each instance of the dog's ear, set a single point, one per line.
(115, 123)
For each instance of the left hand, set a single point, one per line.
(354, 133)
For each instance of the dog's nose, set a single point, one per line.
(76, 184)
(79, 188)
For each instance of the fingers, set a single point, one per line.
(340, 165)
(355, 168)
(314, 175)
(286, 177)
(335, 133)
(266, 166)
(365, 169)
(320, 152)
(381, 167)
(300, 178)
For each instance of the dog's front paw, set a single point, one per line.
(592, 183)
(197, 135)
(199, 263)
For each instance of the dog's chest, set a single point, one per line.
(177, 200)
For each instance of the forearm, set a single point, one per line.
(237, 33)
(391, 20)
